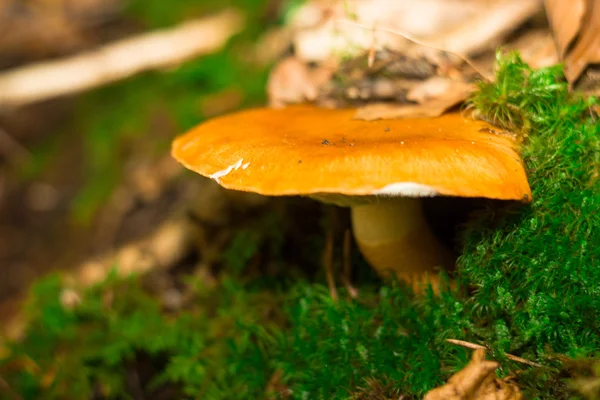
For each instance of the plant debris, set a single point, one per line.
(431, 99)
(475, 346)
(477, 381)
(292, 81)
(577, 33)
(393, 67)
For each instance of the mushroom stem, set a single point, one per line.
(394, 238)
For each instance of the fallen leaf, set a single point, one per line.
(565, 18)
(439, 87)
(292, 81)
(576, 33)
(476, 381)
(486, 29)
(587, 47)
(364, 45)
(433, 97)
(346, 28)
(536, 48)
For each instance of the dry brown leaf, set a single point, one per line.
(477, 381)
(292, 81)
(439, 87)
(463, 28)
(586, 49)
(486, 29)
(434, 96)
(565, 18)
(373, 112)
(576, 33)
(536, 48)
(322, 30)
(326, 32)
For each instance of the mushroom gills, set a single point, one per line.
(394, 238)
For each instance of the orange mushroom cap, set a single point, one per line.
(304, 150)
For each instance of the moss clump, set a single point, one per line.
(537, 269)
(118, 332)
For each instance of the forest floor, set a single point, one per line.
(229, 298)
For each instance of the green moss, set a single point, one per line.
(536, 268)
(92, 347)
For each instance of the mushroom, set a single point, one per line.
(379, 169)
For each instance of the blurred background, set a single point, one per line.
(84, 170)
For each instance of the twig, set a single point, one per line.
(328, 263)
(119, 60)
(475, 346)
(348, 264)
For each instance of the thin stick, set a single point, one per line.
(348, 264)
(119, 60)
(328, 263)
(475, 346)
(371, 58)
